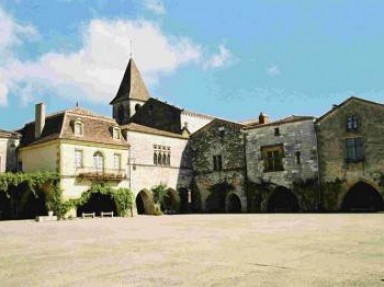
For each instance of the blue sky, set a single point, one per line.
(231, 59)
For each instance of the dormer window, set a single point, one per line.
(352, 123)
(116, 132)
(78, 127)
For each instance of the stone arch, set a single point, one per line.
(98, 203)
(283, 200)
(216, 200)
(5, 206)
(31, 205)
(172, 202)
(185, 199)
(362, 197)
(144, 202)
(233, 203)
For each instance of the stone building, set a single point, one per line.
(218, 161)
(351, 156)
(9, 141)
(282, 164)
(81, 146)
(158, 157)
(157, 134)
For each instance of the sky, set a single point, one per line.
(230, 59)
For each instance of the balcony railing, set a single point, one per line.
(94, 174)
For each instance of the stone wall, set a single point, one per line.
(299, 163)
(194, 121)
(215, 185)
(8, 157)
(337, 173)
(145, 174)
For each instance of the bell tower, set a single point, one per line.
(132, 94)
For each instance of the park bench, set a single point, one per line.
(91, 214)
(106, 213)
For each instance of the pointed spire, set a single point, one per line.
(132, 86)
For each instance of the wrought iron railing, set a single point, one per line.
(95, 174)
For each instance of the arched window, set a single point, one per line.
(137, 107)
(164, 162)
(154, 158)
(98, 161)
(169, 159)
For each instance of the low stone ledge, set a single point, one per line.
(46, 218)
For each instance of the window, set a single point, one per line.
(273, 158)
(298, 157)
(78, 158)
(155, 157)
(217, 162)
(78, 127)
(352, 123)
(161, 155)
(355, 149)
(117, 161)
(116, 133)
(137, 107)
(277, 132)
(98, 161)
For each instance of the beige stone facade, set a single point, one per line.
(281, 160)
(82, 147)
(9, 141)
(351, 156)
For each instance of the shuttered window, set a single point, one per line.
(354, 149)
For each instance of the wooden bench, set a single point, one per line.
(106, 213)
(91, 214)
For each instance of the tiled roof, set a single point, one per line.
(132, 85)
(353, 98)
(147, 130)
(97, 129)
(214, 122)
(8, 134)
(290, 119)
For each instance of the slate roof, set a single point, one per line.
(132, 85)
(97, 128)
(290, 119)
(148, 130)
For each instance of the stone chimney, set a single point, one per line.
(39, 119)
(263, 119)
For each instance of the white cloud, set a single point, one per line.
(94, 72)
(273, 70)
(222, 58)
(156, 6)
(12, 33)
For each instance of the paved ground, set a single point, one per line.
(196, 250)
